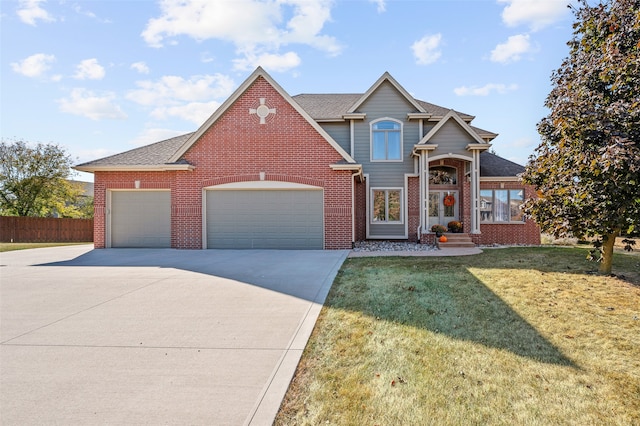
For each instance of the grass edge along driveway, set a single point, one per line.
(512, 336)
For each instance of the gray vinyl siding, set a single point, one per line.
(386, 102)
(386, 230)
(340, 133)
(452, 138)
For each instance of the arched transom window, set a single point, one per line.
(386, 141)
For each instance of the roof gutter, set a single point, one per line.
(135, 168)
(355, 168)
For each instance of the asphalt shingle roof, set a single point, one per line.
(148, 155)
(326, 106)
(492, 165)
(322, 106)
(439, 111)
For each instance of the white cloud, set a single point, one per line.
(269, 61)
(141, 67)
(171, 89)
(29, 11)
(426, 50)
(192, 99)
(205, 57)
(81, 11)
(195, 112)
(382, 6)
(89, 69)
(485, 90)
(34, 65)
(537, 14)
(512, 50)
(254, 27)
(309, 16)
(86, 103)
(152, 135)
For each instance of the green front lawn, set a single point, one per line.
(511, 336)
(25, 246)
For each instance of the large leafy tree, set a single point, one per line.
(34, 181)
(587, 167)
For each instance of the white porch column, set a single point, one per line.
(424, 189)
(475, 192)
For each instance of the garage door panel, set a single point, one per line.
(141, 219)
(282, 219)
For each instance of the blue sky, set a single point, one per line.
(101, 77)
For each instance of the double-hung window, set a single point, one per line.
(386, 205)
(501, 205)
(386, 140)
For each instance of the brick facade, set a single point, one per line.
(237, 148)
(526, 233)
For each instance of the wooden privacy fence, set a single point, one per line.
(45, 230)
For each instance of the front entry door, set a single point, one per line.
(442, 214)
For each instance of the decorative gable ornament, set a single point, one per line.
(262, 111)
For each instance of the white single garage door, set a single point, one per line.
(141, 219)
(265, 219)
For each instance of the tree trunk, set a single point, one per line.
(607, 252)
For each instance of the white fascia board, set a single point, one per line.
(418, 116)
(135, 168)
(355, 116)
(355, 167)
(479, 147)
(330, 120)
(425, 147)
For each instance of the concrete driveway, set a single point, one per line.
(137, 336)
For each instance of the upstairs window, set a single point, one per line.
(386, 141)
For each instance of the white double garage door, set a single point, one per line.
(246, 218)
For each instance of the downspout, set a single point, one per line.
(357, 174)
(475, 192)
(425, 206)
(353, 209)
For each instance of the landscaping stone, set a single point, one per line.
(375, 245)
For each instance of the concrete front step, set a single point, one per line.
(450, 244)
(456, 240)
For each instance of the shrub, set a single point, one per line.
(455, 226)
(439, 228)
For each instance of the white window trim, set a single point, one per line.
(402, 206)
(371, 124)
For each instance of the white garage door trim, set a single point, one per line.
(254, 185)
(109, 211)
